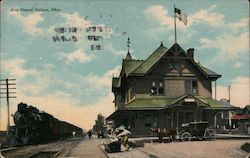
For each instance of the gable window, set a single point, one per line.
(191, 86)
(174, 65)
(171, 65)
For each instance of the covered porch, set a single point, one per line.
(142, 114)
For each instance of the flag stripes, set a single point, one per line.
(180, 15)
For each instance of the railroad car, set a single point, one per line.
(33, 126)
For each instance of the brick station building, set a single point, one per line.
(167, 89)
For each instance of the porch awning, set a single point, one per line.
(216, 104)
(162, 102)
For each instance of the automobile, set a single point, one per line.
(196, 130)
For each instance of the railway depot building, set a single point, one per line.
(167, 89)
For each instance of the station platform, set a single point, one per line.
(88, 148)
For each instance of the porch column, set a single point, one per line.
(199, 115)
(215, 90)
(196, 114)
(177, 119)
(172, 118)
(215, 120)
(230, 120)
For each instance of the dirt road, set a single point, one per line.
(194, 149)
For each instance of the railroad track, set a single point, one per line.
(50, 150)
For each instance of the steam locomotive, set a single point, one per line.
(33, 126)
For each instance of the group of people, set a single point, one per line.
(120, 134)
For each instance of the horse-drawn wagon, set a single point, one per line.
(196, 130)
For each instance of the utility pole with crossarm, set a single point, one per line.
(7, 87)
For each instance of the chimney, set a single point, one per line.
(190, 53)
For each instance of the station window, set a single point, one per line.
(153, 88)
(191, 86)
(194, 87)
(187, 87)
(161, 89)
(129, 94)
(157, 88)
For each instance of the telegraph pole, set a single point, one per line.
(229, 112)
(6, 91)
(229, 90)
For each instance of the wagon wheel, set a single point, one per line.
(186, 136)
(209, 134)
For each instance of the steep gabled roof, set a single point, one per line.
(209, 72)
(127, 67)
(141, 67)
(150, 61)
(176, 48)
(130, 65)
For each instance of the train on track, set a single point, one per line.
(33, 127)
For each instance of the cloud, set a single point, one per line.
(76, 20)
(102, 81)
(241, 24)
(185, 38)
(208, 16)
(81, 23)
(240, 91)
(30, 80)
(77, 55)
(61, 105)
(160, 14)
(203, 16)
(29, 22)
(59, 102)
(228, 44)
(15, 69)
(238, 65)
(109, 48)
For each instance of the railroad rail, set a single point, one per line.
(50, 150)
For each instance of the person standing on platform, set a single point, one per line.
(89, 134)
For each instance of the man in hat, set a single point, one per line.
(124, 134)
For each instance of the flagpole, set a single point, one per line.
(175, 39)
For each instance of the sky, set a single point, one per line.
(73, 82)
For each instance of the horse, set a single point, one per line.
(165, 132)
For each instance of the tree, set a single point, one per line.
(99, 123)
